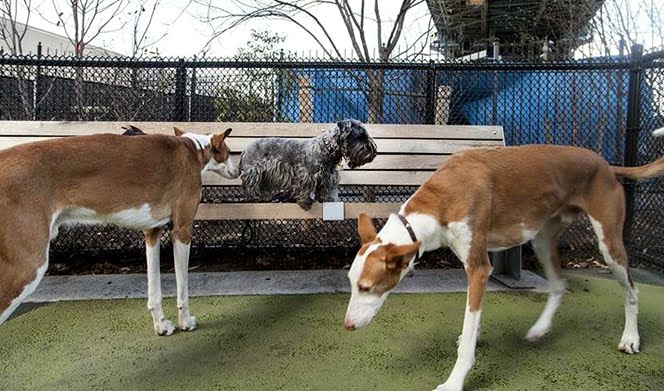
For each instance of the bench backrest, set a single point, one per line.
(407, 154)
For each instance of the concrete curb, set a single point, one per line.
(99, 287)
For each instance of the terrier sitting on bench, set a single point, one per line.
(306, 171)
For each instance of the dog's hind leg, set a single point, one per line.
(607, 220)
(545, 246)
(18, 284)
(162, 326)
(23, 263)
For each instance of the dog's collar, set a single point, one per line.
(409, 228)
(199, 144)
(326, 144)
(202, 148)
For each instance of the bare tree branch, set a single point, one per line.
(89, 19)
(139, 33)
(302, 13)
(11, 31)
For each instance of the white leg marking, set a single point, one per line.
(466, 351)
(27, 291)
(460, 238)
(186, 322)
(162, 326)
(630, 341)
(542, 248)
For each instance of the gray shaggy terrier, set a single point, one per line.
(304, 171)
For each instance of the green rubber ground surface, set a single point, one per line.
(298, 343)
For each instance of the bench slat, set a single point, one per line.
(384, 145)
(288, 211)
(403, 162)
(248, 129)
(347, 177)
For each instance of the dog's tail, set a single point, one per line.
(650, 170)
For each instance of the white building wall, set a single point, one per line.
(53, 44)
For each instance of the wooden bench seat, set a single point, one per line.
(407, 155)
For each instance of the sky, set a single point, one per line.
(180, 22)
(186, 35)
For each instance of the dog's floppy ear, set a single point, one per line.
(131, 130)
(343, 124)
(366, 228)
(178, 132)
(399, 256)
(218, 139)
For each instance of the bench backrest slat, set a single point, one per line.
(248, 129)
(407, 154)
(407, 146)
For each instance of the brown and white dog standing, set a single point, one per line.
(140, 182)
(492, 199)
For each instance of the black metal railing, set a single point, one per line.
(609, 105)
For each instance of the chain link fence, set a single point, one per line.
(584, 103)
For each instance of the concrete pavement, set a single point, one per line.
(96, 287)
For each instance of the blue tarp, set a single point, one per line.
(582, 107)
(338, 94)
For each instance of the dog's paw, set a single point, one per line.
(164, 327)
(447, 386)
(187, 324)
(306, 205)
(629, 344)
(536, 332)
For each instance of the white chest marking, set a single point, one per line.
(460, 239)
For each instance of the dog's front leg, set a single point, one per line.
(181, 246)
(162, 326)
(478, 273)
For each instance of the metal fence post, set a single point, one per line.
(430, 115)
(36, 93)
(632, 135)
(180, 112)
(192, 96)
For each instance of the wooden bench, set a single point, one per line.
(407, 154)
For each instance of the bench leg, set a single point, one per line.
(507, 268)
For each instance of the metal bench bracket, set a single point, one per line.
(507, 268)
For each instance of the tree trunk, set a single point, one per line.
(24, 85)
(375, 95)
(79, 86)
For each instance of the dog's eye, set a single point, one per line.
(363, 288)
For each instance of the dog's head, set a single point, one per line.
(377, 269)
(356, 144)
(216, 153)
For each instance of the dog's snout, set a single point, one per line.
(348, 325)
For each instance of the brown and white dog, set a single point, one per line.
(491, 199)
(140, 182)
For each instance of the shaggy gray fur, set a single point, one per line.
(304, 171)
